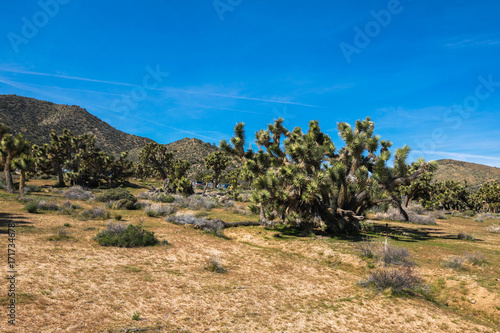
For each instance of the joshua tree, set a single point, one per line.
(12, 147)
(156, 161)
(24, 163)
(303, 180)
(488, 197)
(217, 162)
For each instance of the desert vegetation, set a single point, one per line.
(306, 231)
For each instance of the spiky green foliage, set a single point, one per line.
(25, 164)
(12, 147)
(156, 161)
(449, 195)
(488, 197)
(217, 162)
(76, 159)
(419, 189)
(300, 178)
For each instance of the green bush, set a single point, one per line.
(166, 198)
(126, 204)
(31, 207)
(115, 195)
(131, 236)
(468, 213)
(465, 236)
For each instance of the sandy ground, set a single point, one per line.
(271, 285)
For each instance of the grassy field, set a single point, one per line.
(275, 280)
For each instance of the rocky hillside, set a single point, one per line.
(474, 174)
(35, 119)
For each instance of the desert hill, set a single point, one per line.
(474, 174)
(35, 119)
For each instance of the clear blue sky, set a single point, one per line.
(427, 72)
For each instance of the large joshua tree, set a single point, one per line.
(304, 180)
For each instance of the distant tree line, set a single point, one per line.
(74, 160)
(297, 177)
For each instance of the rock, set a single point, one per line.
(473, 302)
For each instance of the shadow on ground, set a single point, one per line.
(413, 234)
(6, 218)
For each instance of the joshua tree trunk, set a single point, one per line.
(407, 200)
(262, 214)
(60, 176)
(401, 210)
(8, 176)
(22, 182)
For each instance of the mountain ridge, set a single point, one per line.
(35, 119)
(473, 173)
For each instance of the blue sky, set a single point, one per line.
(426, 72)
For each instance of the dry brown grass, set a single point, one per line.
(272, 284)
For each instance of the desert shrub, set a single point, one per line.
(157, 197)
(31, 207)
(165, 198)
(239, 211)
(214, 227)
(367, 249)
(115, 195)
(67, 208)
(125, 204)
(454, 262)
(24, 199)
(78, 193)
(47, 205)
(393, 214)
(214, 264)
(62, 234)
(157, 210)
(200, 214)
(490, 216)
(385, 253)
(465, 236)
(495, 228)
(391, 255)
(399, 279)
(131, 236)
(439, 214)
(468, 213)
(96, 213)
(32, 188)
(116, 228)
(228, 204)
(476, 258)
(416, 208)
(197, 202)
